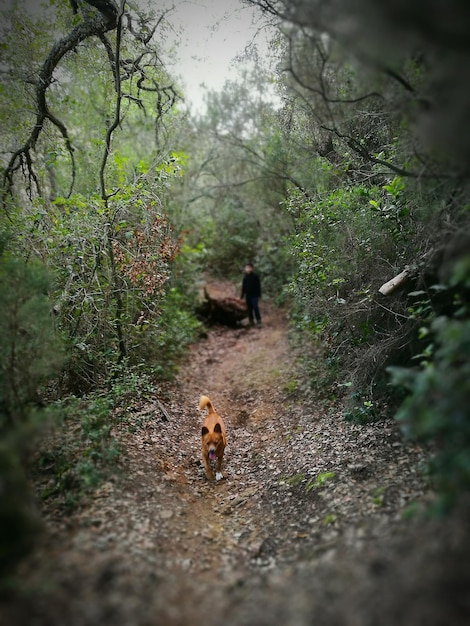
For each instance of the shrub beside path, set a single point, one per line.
(309, 526)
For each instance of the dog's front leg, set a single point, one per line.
(218, 471)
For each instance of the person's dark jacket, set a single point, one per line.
(251, 286)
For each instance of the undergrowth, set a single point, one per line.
(73, 460)
(83, 449)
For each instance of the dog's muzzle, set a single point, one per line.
(212, 455)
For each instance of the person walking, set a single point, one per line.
(251, 291)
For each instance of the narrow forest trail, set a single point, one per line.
(307, 526)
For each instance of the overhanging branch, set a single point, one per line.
(95, 23)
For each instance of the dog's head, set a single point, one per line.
(212, 440)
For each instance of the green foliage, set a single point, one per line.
(335, 246)
(437, 408)
(101, 256)
(319, 480)
(74, 466)
(162, 344)
(336, 242)
(290, 386)
(329, 519)
(112, 254)
(359, 409)
(231, 239)
(129, 384)
(345, 243)
(294, 480)
(84, 450)
(235, 180)
(274, 264)
(30, 355)
(28, 344)
(377, 496)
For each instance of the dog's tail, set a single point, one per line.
(204, 401)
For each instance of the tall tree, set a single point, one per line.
(110, 250)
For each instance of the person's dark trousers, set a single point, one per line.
(252, 304)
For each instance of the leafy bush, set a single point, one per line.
(112, 266)
(73, 466)
(275, 266)
(436, 390)
(348, 242)
(30, 353)
(167, 341)
(437, 408)
(28, 344)
(231, 239)
(359, 409)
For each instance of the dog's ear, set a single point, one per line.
(204, 431)
(217, 428)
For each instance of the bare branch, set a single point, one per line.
(63, 130)
(117, 116)
(93, 24)
(109, 51)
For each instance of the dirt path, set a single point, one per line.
(305, 528)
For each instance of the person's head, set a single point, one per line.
(248, 268)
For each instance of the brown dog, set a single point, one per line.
(213, 439)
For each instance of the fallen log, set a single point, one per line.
(400, 279)
(227, 311)
(390, 286)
